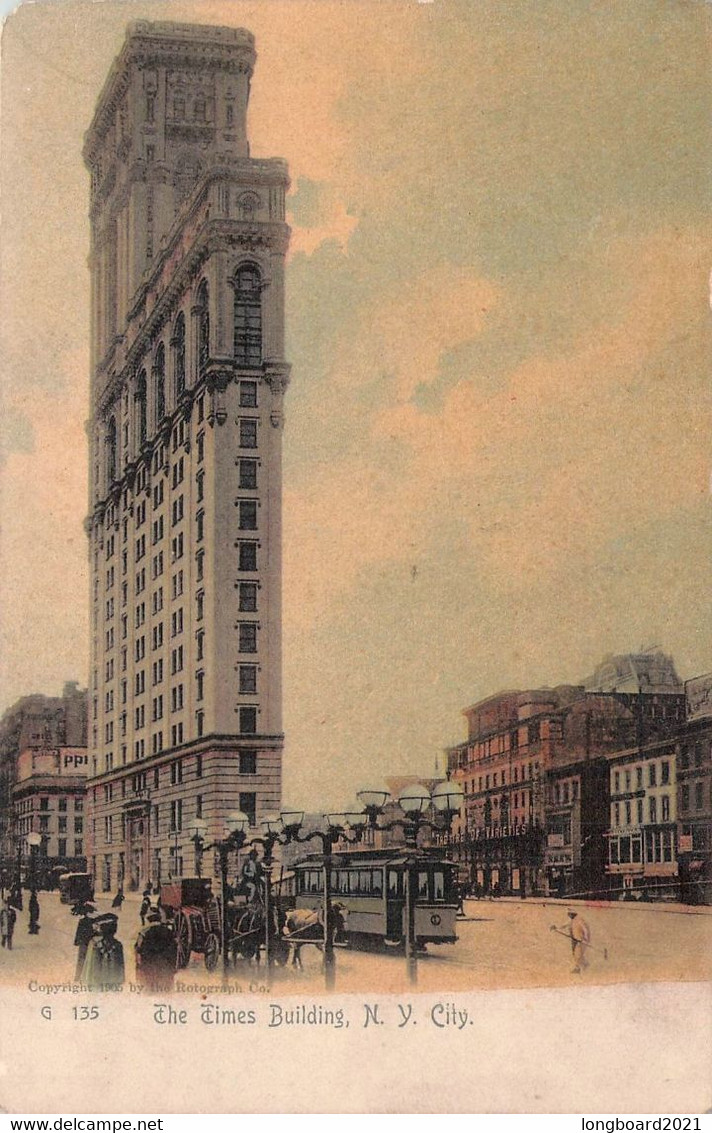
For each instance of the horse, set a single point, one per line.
(306, 926)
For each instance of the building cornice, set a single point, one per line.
(164, 44)
(219, 742)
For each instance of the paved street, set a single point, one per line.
(502, 944)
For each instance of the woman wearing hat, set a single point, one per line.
(84, 933)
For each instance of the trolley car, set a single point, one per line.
(371, 887)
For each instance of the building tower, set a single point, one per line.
(188, 241)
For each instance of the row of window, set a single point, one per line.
(658, 845)
(27, 806)
(247, 348)
(119, 825)
(45, 827)
(625, 814)
(177, 769)
(623, 780)
(521, 773)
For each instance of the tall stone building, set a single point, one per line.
(35, 724)
(188, 380)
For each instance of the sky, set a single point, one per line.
(497, 443)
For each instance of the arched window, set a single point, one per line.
(179, 355)
(160, 376)
(203, 324)
(248, 316)
(111, 450)
(140, 406)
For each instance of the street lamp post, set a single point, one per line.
(414, 801)
(237, 826)
(285, 828)
(35, 840)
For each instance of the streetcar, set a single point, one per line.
(370, 887)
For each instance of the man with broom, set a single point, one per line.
(580, 935)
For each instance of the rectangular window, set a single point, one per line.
(248, 721)
(248, 474)
(199, 685)
(665, 772)
(176, 815)
(248, 395)
(247, 515)
(248, 805)
(198, 767)
(200, 722)
(665, 804)
(247, 596)
(200, 645)
(200, 526)
(176, 772)
(699, 799)
(247, 556)
(247, 637)
(198, 806)
(652, 774)
(247, 679)
(248, 762)
(248, 433)
(653, 809)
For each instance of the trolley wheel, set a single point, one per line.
(184, 941)
(212, 951)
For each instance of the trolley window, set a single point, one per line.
(423, 884)
(395, 886)
(377, 883)
(438, 885)
(310, 881)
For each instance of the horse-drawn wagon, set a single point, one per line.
(195, 911)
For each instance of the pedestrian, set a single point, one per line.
(156, 952)
(34, 911)
(8, 916)
(145, 905)
(580, 935)
(118, 899)
(82, 937)
(104, 964)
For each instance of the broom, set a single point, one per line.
(560, 932)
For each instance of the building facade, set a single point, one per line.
(188, 380)
(535, 772)
(49, 799)
(694, 794)
(35, 724)
(642, 837)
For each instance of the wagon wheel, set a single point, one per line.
(183, 941)
(212, 951)
(247, 932)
